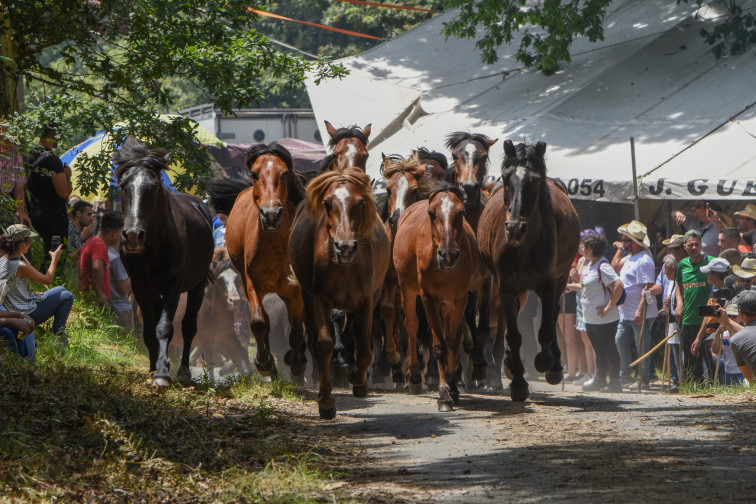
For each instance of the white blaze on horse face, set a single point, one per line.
(401, 194)
(351, 154)
(469, 162)
(270, 187)
(342, 194)
(229, 278)
(446, 207)
(139, 181)
(521, 171)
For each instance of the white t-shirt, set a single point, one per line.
(730, 365)
(636, 272)
(594, 295)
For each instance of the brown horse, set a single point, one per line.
(349, 144)
(436, 255)
(436, 163)
(166, 248)
(339, 253)
(257, 238)
(529, 235)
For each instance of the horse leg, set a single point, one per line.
(441, 350)
(548, 360)
(149, 310)
(400, 337)
(363, 325)
(189, 329)
(519, 387)
(260, 326)
(389, 314)
(164, 333)
(426, 341)
(414, 378)
(453, 321)
(381, 367)
(340, 352)
(317, 318)
(498, 350)
(296, 356)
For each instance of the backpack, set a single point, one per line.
(624, 294)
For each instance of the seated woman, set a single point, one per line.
(19, 274)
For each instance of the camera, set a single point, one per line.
(707, 310)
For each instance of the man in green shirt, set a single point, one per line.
(692, 290)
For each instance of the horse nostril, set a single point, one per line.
(454, 256)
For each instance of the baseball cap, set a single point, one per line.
(746, 302)
(18, 232)
(717, 265)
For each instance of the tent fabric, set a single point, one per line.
(652, 78)
(306, 155)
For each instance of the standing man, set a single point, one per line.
(49, 186)
(94, 263)
(746, 220)
(81, 226)
(706, 220)
(691, 290)
(120, 283)
(636, 314)
(729, 238)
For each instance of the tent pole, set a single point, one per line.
(635, 180)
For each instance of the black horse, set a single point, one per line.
(166, 247)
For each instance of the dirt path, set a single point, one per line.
(557, 447)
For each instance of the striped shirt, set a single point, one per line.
(21, 298)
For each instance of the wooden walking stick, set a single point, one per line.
(664, 368)
(719, 358)
(564, 340)
(640, 347)
(648, 354)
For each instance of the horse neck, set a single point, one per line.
(472, 215)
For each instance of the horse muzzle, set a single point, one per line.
(515, 230)
(447, 259)
(471, 191)
(133, 240)
(271, 218)
(394, 221)
(345, 251)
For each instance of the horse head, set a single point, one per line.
(470, 155)
(142, 190)
(346, 199)
(349, 143)
(523, 174)
(436, 164)
(446, 209)
(404, 186)
(225, 292)
(275, 183)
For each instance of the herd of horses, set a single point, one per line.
(395, 280)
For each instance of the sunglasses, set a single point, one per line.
(625, 240)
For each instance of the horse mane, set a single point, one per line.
(411, 166)
(455, 138)
(134, 153)
(447, 188)
(327, 163)
(220, 254)
(440, 157)
(352, 131)
(318, 187)
(296, 187)
(525, 155)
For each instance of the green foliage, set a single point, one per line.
(549, 28)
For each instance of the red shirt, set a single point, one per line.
(94, 248)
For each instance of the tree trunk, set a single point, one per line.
(9, 82)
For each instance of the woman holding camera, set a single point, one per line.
(19, 274)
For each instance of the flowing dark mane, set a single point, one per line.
(327, 163)
(423, 153)
(447, 188)
(318, 187)
(454, 139)
(526, 156)
(134, 153)
(352, 131)
(274, 148)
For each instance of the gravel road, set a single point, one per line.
(556, 447)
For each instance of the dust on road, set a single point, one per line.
(557, 447)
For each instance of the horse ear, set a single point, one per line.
(366, 130)
(509, 149)
(387, 161)
(491, 142)
(540, 149)
(330, 129)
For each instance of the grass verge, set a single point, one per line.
(83, 425)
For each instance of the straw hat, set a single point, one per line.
(674, 241)
(637, 232)
(747, 268)
(749, 212)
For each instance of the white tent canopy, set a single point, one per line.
(652, 78)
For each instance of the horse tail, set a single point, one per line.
(223, 192)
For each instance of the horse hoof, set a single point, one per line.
(554, 377)
(479, 372)
(397, 377)
(184, 376)
(266, 378)
(394, 358)
(519, 392)
(415, 388)
(327, 413)
(543, 362)
(360, 390)
(455, 396)
(161, 384)
(445, 406)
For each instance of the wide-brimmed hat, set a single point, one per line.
(749, 212)
(637, 232)
(18, 232)
(747, 268)
(717, 265)
(674, 241)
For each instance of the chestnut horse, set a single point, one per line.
(349, 144)
(436, 163)
(339, 253)
(436, 256)
(166, 248)
(528, 235)
(257, 239)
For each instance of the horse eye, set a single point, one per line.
(361, 204)
(432, 215)
(454, 155)
(327, 204)
(254, 175)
